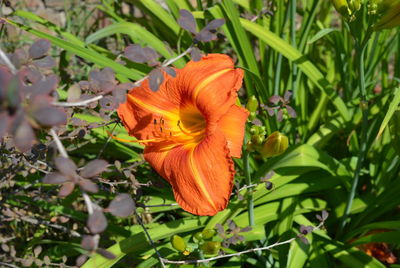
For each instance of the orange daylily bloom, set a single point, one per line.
(191, 129)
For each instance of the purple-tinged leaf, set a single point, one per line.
(97, 222)
(231, 224)
(122, 206)
(306, 229)
(19, 58)
(94, 168)
(4, 123)
(271, 112)
(88, 186)
(106, 254)
(187, 21)
(156, 78)
(39, 48)
(275, 99)
(5, 77)
(32, 75)
(150, 54)
(107, 74)
(325, 215)
(195, 54)
(44, 86)
(46, 62)
(89, 242)
(215, 24)
(78, 122)
(66, 189)
(220, 229)
(205, 36)
(66, 166)
(135, 53)
(54, 178)
(50, 116)
(257, 122)
(246, 229)
(108, 103)
(81, 260)
(287, 96)
(292, 113)
(24, 136)
(170, 71)
(280, 115)
(84, 85)
(304, 240)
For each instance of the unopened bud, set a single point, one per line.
(275, 144)
(390, 14)
(342, 7)
(208, 233)
(354, 5)
(252, 104)
(211, 247)
(178, 243)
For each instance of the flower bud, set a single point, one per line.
(342, 7)
(252, 104)
(274, 144)
(178, 243)
(354, 5)
(208, 233)
(211, 247)
(390, 14)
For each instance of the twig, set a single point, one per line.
(170, 61)
(79, 103)
(238, 253)
(88, 202)
(7, 61)
(60, 146)
(8, 265)
(47, 223)
(150, 240)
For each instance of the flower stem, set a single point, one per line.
(360, 49)
(250, 201)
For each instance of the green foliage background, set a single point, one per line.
(304, 47)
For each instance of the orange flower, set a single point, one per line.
(191, 127)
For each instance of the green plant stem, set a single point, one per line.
(360, 49)
(250, 201)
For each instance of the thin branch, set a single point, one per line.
(47, 223)
(59, 145)
(7, 61)
(150, 240)
(239, 253)
(79, 103)
(8, 265)
(88, 202)
(170, 61)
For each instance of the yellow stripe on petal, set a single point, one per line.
(208, 80)
(199, 181)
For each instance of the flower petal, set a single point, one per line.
(143, 106)
(211, 84)
(232, 124)
(125, 112)
(201, 176)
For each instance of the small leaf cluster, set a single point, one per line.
(280, 104)
(26, 95)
